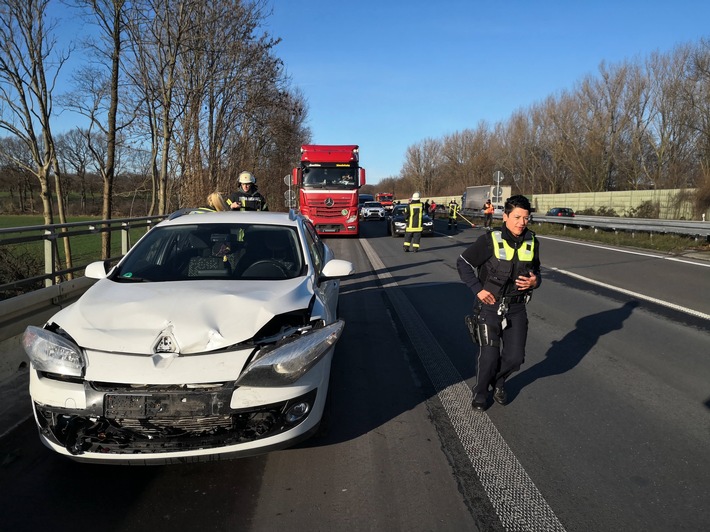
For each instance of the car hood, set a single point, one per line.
(197, 315)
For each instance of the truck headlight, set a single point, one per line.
(53, 353)
(287, 363)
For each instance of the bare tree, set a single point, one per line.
(97, 95)
(467, 159)
(421, 164)
(75, 157)
(28, 73)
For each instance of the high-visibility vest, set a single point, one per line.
(415, 212)
(504, 251)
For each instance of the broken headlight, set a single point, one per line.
(288, 362)
(53, 353)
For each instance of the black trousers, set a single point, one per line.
(412, 238)
(495, 364)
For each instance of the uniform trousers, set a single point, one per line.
(412, 238)
(495, 364)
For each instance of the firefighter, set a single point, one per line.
(248, 197)
(453, 214)
(501, 268)
(413, 216)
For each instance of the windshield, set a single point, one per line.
(320, 177)
(214, 251)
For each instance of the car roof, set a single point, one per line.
(242, 217)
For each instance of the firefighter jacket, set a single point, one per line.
(453, 209)
(496, 259)
(414, 216)
(248, 201)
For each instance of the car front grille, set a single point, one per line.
(168, 431)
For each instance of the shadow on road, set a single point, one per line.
(565, 354)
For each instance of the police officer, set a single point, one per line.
(248, 197)
(453, 214)
(413, 216)
(501, 268)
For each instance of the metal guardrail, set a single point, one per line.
(613, 223)
(50, 234)
(34, 307)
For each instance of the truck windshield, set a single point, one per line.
(320, 177)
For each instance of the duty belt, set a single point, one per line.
(515, 299)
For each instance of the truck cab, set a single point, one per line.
(328, 180)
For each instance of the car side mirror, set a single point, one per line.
(96, 270)
(336, 268)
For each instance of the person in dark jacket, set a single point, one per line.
(248, 197)
(501, 268)
(414, 216)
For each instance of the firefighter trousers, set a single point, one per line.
(412, 238)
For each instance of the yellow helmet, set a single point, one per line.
(246, 177)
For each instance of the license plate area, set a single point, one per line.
(160, 405)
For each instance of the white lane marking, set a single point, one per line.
(628, 251)
(517, 501)
(661, 302)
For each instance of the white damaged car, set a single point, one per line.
(213, 337)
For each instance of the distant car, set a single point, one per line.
(213, 336)
(362, 198)
(396, 223)
(561, 211)
(372, 210)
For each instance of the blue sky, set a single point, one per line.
(387, 74)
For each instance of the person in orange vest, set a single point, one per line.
(488, 214)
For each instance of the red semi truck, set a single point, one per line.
(328, 180)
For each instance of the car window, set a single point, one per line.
(214, 251)
(315, 246)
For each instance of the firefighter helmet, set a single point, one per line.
(246, 177)
(416, 196)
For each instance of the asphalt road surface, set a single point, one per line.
(608, 426)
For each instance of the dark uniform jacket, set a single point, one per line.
(477, 261)
(249, 201)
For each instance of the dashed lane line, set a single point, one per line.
(516, 500)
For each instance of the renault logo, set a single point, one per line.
(166, 342)
(329, 202)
